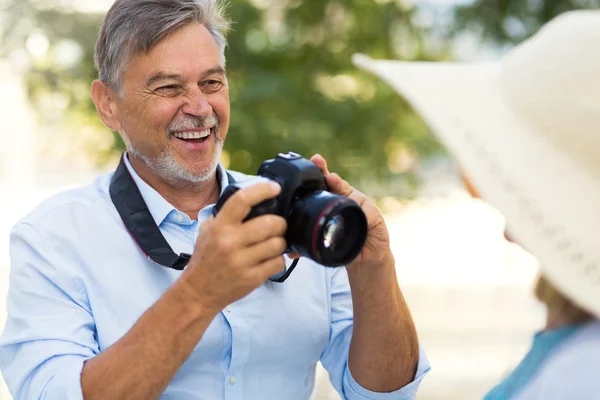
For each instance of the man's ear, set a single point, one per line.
(105, 100)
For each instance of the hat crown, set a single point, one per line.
(552, 81)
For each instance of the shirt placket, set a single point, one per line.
(240, 351)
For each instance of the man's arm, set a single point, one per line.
(384, 349)
(142, 363)
(383, 352)
(49, 349)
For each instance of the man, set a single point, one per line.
(90, 316)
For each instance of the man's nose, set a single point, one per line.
(197, 104)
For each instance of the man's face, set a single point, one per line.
(174, 110)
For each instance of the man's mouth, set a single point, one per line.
(194, 136)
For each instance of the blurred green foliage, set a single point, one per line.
(504, 22)
(292, 84)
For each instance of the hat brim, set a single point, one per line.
(549, 202)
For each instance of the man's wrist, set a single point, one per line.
(191, 301)
(386, 263)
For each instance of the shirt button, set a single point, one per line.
(232, 380)
(80, 286)
(228, 309)
(179, 218)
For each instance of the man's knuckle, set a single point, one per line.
(279, 244)
(270, 221)
(257, 278)
(241, 197)
(275, 223)
(281, 224)
(235, 260)
(225, 244)
(216, 228)
(279, 264)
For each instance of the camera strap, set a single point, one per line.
(138, 221)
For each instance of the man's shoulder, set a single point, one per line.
(70, 202)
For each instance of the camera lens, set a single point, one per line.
(327, 228)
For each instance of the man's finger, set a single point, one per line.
(238, 206)
(262, 228)
(334, 182)
(338, 186)
(320, 162)
(269, 268)
(263, 251)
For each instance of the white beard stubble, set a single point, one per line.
(166, 166)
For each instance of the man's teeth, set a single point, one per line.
(192, 135)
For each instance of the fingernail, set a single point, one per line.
(275, 187)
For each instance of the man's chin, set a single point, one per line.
(178, 169)
(194, 176)
(197, 174)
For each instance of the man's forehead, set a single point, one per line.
(190, 48)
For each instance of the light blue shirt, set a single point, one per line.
(568, 371)
(544, 344)
(78, 283)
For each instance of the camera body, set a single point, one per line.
(327, 228)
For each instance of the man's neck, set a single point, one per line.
(187, 197)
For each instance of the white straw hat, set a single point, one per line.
(527, 133)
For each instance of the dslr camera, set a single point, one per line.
(325, 227)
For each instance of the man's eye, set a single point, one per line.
(211, 86)
(167, 89)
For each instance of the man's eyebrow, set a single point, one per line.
(214, 71)
(162, 76)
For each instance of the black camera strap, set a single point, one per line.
(134, 212)
(138, 221)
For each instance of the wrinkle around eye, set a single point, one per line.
(147, 98)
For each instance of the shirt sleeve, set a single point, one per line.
(335, 356)
(50, 331)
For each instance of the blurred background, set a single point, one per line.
(293, 88)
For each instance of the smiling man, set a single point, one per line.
(101, 307)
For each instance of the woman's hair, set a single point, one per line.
(559, 303)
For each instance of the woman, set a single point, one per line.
(527, 133)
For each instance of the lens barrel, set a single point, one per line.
(327, 228)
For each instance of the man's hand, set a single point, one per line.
(232, 257)
(377, 247)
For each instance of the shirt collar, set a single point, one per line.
(158, 206)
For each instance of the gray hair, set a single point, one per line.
(133, 27)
